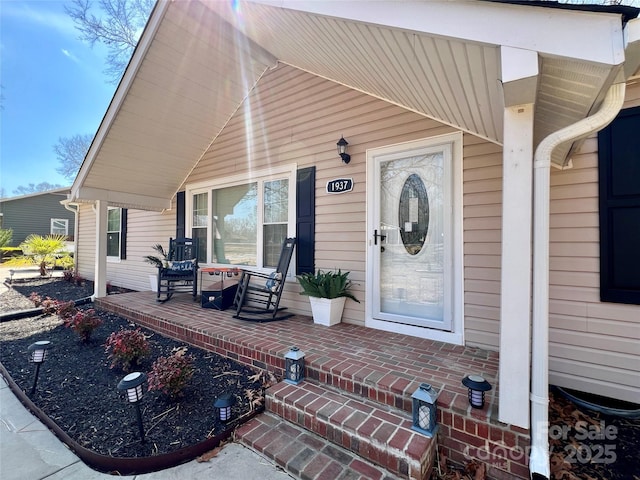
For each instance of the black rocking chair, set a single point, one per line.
(258, 294)
(181, 275)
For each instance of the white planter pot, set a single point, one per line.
(153, 282)
(327, 311)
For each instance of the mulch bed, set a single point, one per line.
(78, 389)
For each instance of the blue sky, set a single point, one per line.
(53, 87)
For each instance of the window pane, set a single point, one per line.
(113, 220)
(113, 244)
(274, 236)
(200, 210)
(276, 201)
(200, 224)
(59, 226)
(235, 224)
(201, 235)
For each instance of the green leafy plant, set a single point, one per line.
(172, 374)
(126, 348)
(327, 284)
(6, 235)
(162, 261)
(83, 323)
(43, 251)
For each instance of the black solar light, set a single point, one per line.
(294, 366)
(223, 406)
(424, 410)
(133, 383)
(477, 386)
(38, 353)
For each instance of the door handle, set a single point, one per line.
(376, 235)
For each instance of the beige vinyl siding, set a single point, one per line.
(593, 346)
(482, 187)
(295, 117)
(144, 229)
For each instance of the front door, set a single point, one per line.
(411, 245)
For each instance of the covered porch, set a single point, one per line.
(376, 367)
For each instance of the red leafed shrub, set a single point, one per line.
(48, 305)
(65, 310)
(172, 374)
(83, 322)
(126, 348)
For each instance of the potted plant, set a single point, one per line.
(327, 292)
(161, 261)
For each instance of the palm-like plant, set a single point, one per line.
(157, 261)
(42, 251)
(326, 285)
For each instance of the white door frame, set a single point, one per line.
(456, 336)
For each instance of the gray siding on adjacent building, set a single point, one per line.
(32, 214)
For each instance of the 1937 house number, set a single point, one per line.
(340, 185)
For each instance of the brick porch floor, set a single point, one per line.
(374, 365)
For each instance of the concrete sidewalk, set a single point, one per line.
(28, 450)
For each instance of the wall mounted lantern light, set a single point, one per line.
(477, 386)
(294, 366)
(38, 353)
(424, 410)
(132, 383)
(223, 406)
(342, 150)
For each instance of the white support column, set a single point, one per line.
(519, 71)
(100, 270)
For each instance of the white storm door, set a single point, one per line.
(411, 219)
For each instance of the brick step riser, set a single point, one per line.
(380, 438)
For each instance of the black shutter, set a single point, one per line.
(180, 215)
(306, 220)
(619, 184)
(123, 233)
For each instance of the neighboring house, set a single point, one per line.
(37, 213)
(457, 229)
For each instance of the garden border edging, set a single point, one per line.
(124, 465)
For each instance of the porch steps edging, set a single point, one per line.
(303, 454)
(378, 433)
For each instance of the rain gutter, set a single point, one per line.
(539, 460)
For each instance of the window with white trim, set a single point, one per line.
(242, 222)
(114, 231)
(59, 226)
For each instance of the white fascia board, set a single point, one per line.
(590, 36)
(120, 199)
(519, 75)
(632, 49)
(139, 53)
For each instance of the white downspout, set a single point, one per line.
(539, 459)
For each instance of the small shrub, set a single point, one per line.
(66, 310)
(72, 276)
(36, 299)
(126, 348)
(171, 374)
(49, 306)
(83, 322)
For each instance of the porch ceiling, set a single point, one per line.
(196, 62)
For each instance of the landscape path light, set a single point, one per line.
(132, 384)
(38, 353)
(223, 406)
(424, 410)
(294, 366)
(477, 386)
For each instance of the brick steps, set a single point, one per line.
(303, 454)
(377, 433)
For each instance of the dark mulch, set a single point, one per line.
(590, 445)
(78, 390)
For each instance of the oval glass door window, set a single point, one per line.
(413, 214)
